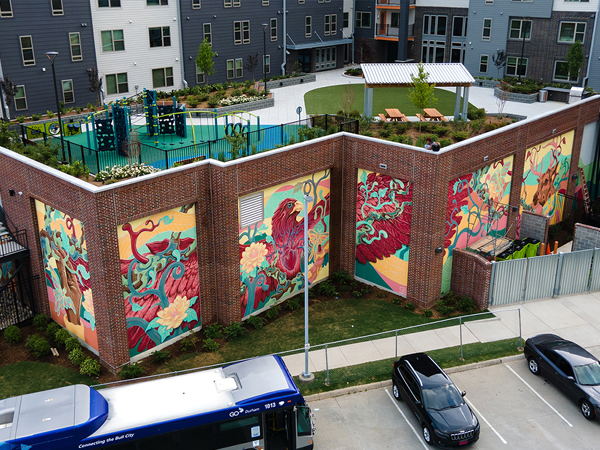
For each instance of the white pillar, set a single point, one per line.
(457, 103)
(368, 105)
(465, 103)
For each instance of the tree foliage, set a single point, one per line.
(204, 60)
(421, 93)
(95, 82)
(575, 60)
(499, 60)
(9, 89)
(251, 63)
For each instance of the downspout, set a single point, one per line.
(353, 18)
(284, 38)
(5, 113)
(584, 83)
(185, 83)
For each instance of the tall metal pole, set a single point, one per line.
(306, 374)
(522, 49)
(52, 56)
(264, 27)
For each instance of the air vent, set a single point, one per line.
(251, 209)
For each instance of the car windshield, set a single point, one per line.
(442, 397)
(588, 375)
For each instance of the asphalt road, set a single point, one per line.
(516, 409)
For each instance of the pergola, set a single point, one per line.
(398, 75)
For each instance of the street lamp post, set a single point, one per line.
(52, 56)
(306, 376)
(264, 27)
(522, 48)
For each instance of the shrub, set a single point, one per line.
(202, 97)
(292, 304)
(132, 371)
(466, 304)
(384, 133)
(410, 306)
(490, 127)
(443, 308)
(382, 295)
(214, 331)
(12, 334)
(36, 116)
(213, 101)
(340, 276)
(119, 172)
(71, 344)
(189, 342)
(89, 367)
(236, 93)
(50, 114)
(272, 312)
(77, 169)
(21, 119)
(256, 322)
(397, 301)
(51, 330)
(38, 346)
(440, 130)
(459, 135)
(61, 337)
(234, 330)
(192, 102)
(475, 113)
(445, 142)
(76, 356)
(477, 125)
(427, 313)
(160, 356)
(210, 346)
(357, 294)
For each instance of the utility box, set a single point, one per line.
(543, 96)
(576, 94)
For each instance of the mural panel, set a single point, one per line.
(545, 176)
(159, 272)
(64, 252)
(7, 270)
(383, 214)
(272, 251)
(477, 205)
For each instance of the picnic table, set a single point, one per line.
(395, 115)
(434, 115)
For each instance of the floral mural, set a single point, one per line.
(477, 207)
(159, 270)
(545, 176)
(272, 250)
(383, 214)
(66, 271)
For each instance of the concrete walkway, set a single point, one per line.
(573, 317)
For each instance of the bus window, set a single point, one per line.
(304, 426)
(239, 431)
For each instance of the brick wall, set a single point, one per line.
(585, 238)
(534, 226)
(471, 276)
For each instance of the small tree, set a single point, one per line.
(237, 141)
(204, 60)
(499, 61)
(421, 94)
(251, 63)
(9, 89)
(575, 60)
(504, 90)
(347, 100)
(95, 82)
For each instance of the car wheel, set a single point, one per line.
(396, 392)
(427, 435)
(534, 367)
(587, 410)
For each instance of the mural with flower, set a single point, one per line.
(159, 272)
(477, 207)
(545, 176)
(66, 271)
(383, 214)
(272, 250)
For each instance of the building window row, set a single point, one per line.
(116, 83)
(160, 36)
(230, 3)
(196, 4)
(363, 19)
(57, 7)
(5, 8)
(434, 25)
(330, 24)
(241, 32)
(109, 3)
(235, 68)
(162, 77)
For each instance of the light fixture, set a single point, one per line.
(486, 157)
(382, 166)
(11, 192)
(52, 56)
(574, 176)
(439, 250)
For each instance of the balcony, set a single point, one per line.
(395, 3)
(384, 30)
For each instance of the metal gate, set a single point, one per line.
(544, 276)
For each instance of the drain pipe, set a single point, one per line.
(587, 75)
(284, 38)
(185, 83)
(353, 18)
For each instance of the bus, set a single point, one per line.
(252, 404)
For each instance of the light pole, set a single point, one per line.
(306, 376)
(522, 47)
(52, 56)
(264, 27)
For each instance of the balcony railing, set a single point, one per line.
(393, 2)
(386, 30)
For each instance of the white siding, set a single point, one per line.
(562, 5)
(138, 59)
(443, 3)
(349, 8)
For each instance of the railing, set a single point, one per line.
(390, 2)
(386, 30)
(13, 243)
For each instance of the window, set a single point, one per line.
(68, 93)
(207, 32)
(57, 7)
(395, 21)
(520, 29)
(75, 41)
(487, 29)
(346, 20)
(522, 0)
(511, 66)
(20, 98)
(116, 83)
(459, 26)
(112, 41)
(162, 77)
(267, 64)
(561, 72)
(483, 63)
(160, 37)
(199, 76)
(327, 30)
(109, 3)
(334, 24)
(434, 25)
(230, 69)
(457, 52)
(230, 3)
(265, 2)
(571, 32)
(27, 50)
(239, 69)
(433, 51)
(157, 2)
(489, 2)
(195, 4)
(251, 209)
(300, 2)
(241, 32)
(577, 0)
(273, 29)
(308, 26)
(5, 8)
(363, 19)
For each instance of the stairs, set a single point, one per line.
(586, 194)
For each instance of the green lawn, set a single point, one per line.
(327, 100)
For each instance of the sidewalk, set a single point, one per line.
(574, 317)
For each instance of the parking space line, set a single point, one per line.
(479, 415)
(541, 398)
(395, 402)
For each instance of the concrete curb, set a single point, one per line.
(386, 383)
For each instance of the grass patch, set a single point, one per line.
(382, 370)
(327, 100)
(26, 377)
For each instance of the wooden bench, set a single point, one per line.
(444, 119)
(421, 118)
(383, 118)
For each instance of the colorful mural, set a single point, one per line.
(477, 205)
(6, 271)
(64, 252)
(545, 176)
(272, 251)
(159, 272)
(383, 214)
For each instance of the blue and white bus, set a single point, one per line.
(253, 404)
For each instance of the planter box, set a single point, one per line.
(486, 83)
(519, 98)
(250, 106)
(292, 81)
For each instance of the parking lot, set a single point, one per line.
(516, 409)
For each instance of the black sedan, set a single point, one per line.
(570, 367)
(446, 419)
